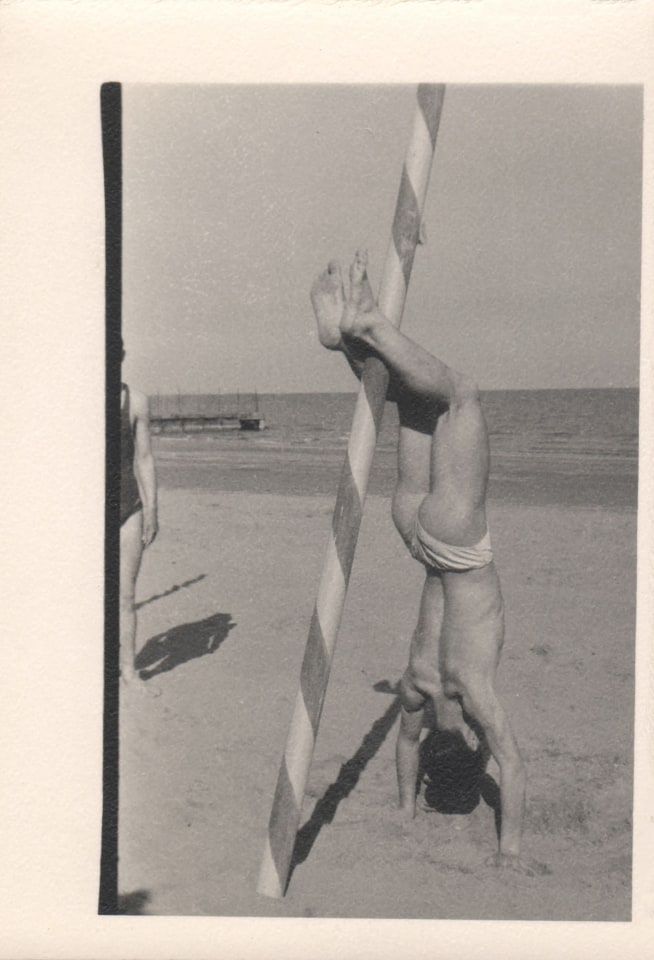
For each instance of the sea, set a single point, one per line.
(575, 446)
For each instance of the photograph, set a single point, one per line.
(461, 517)
(328, 538)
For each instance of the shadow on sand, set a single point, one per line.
(348, 777)
(133, 904)
(183, 643)
(454, 776)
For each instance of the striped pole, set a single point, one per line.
(294, 769)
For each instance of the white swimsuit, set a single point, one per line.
(440, 556)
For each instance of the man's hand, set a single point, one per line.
(150, 528)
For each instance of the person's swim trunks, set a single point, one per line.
(440, 556)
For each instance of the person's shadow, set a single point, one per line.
(182, 643)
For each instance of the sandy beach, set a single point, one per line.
(225, 598)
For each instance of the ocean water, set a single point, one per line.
(555, 446)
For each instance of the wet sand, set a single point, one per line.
(225, 599)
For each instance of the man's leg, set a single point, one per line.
(421, 375)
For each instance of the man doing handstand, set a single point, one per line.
(439, 509)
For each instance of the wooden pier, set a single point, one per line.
(171, 415)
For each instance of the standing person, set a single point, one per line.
(439, 509)
(138, 516)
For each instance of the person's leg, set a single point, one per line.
(418, 415)
(420, 374)
(131, 551)
(439, 402)
(356, 326)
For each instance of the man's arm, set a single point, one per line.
(144, 466)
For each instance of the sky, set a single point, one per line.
(235, 197)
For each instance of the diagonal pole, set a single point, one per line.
(319, 651)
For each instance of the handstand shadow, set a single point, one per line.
(348, 777)
(167, 593)
(455, 777)
(183, 643)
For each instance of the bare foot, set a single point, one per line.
(135, 684)
(328, 300)
(361, 294)
(449, 717)
(360, 312)
(344, 324)
(517, 864)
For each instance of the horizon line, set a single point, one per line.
(299, 393)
